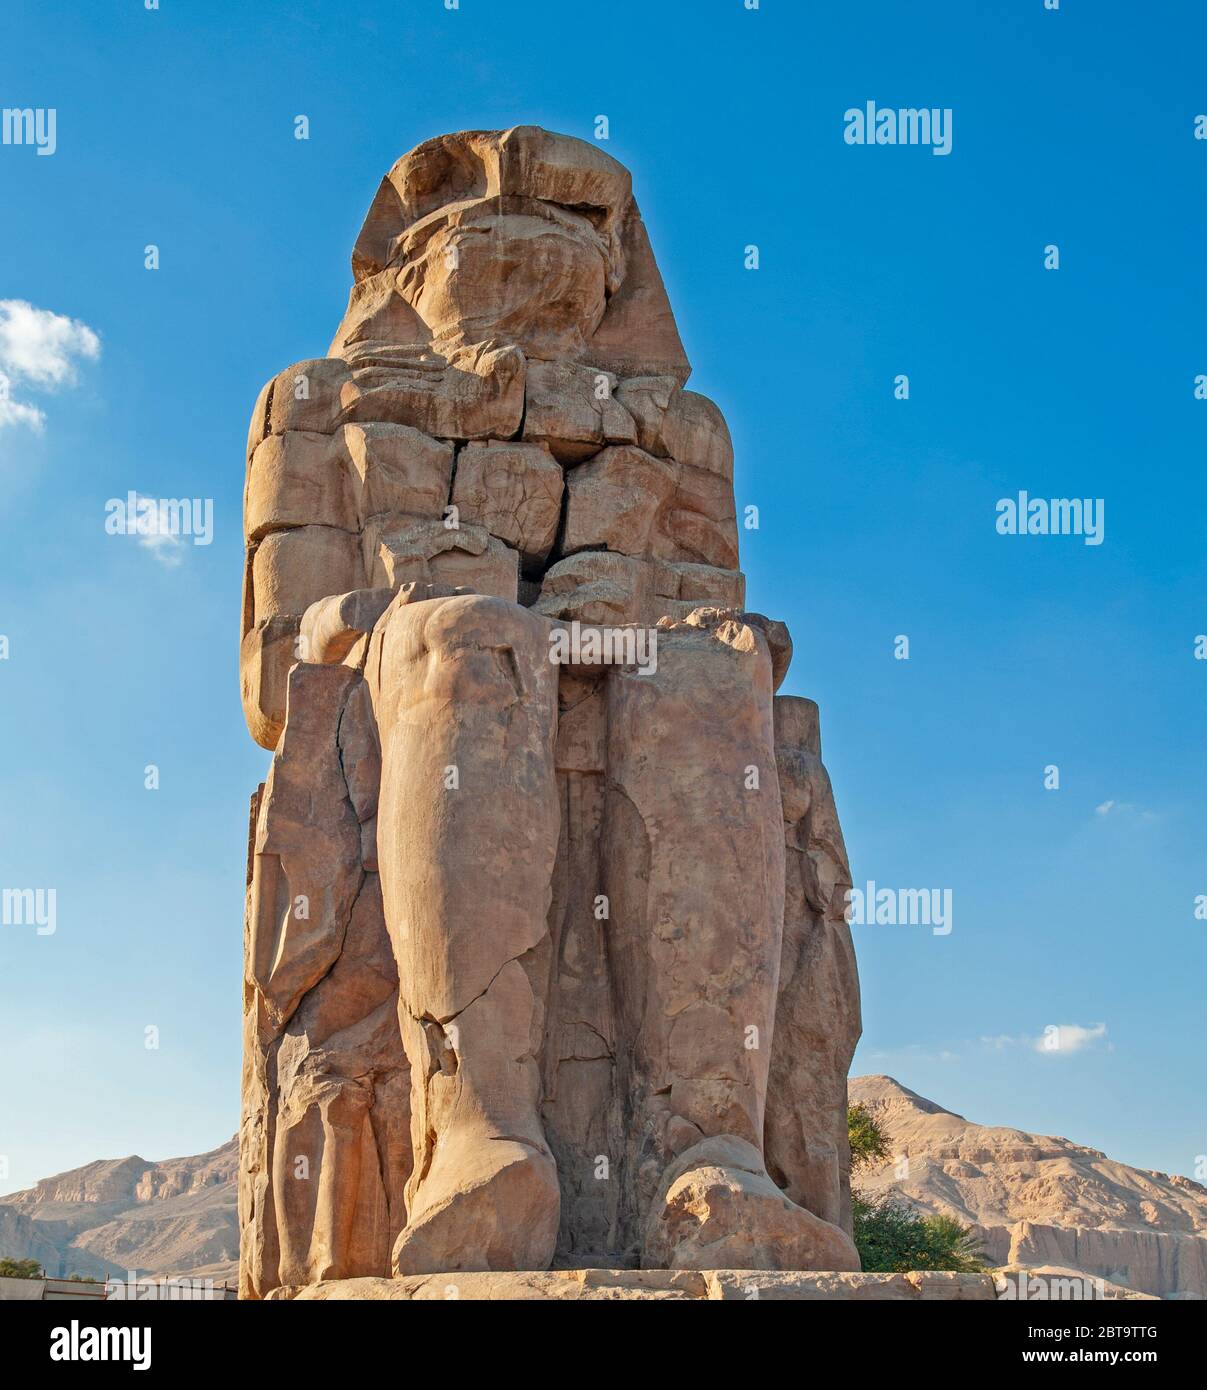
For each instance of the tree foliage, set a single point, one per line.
(869, 1143)
(891, 1237)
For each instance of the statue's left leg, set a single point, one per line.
(693, 860)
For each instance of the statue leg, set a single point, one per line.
(694, 863)
(468, 822)
(817, 1015)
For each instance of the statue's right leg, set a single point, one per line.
(468, 821)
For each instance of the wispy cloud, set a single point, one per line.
(39, 350)
(156, 534)
(1057, 1039)
(17, 412)
(1122, 808)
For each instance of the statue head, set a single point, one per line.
(517, 269)
(519, 236)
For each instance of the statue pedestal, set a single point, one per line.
(725, 1285)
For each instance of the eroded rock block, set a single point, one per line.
(393, 468)
(259, 426)
(514, 491)
(698, 523)
(429, 552)
(296, 479)
(612, 501)
(572, 409)
(293, 569)
(700, 585)
(307, 396)
(694, 433)
(475, 393)
(597, 586)
(647, 399)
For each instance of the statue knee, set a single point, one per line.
(482, 620)
(455, 665)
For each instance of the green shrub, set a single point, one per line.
(893, 1238)
(20, 1269)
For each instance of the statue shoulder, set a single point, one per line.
(305, 396)
(673, 422)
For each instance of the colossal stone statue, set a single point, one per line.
(546, 961)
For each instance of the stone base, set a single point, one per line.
(623, 1284)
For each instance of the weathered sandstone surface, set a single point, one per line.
(655, 1285)
(545, 957)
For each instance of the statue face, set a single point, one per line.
(537, 280)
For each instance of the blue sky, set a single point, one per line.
(1071, 907)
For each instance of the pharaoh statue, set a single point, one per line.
(546, 961)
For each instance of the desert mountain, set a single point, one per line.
(1037, 1200)
(172, 1218)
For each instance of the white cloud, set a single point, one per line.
(38, 349)
(39, 345)
(1061, 1039)
(1058, 1039)
(156, 534)
(16, 412)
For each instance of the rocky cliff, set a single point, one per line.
(171, 1218)
(1037, 1200)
